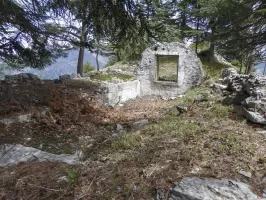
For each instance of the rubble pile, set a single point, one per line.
(249, 91)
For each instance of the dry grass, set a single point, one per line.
(35, 181)
(208, 140)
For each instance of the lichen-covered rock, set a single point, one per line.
(13, 154)
(209, 189)
(67, 77)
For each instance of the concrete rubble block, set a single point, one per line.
(181, 109)
(114, 94)
(140, 123)
(228, 72)
(218, 86)
(193, 188)
(16, 119)
(200, 98)
(244, 173)
(119, 127)
(13, 154)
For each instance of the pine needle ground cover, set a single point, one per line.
(209, 140)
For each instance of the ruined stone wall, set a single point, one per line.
(249, 91)
(190, 71)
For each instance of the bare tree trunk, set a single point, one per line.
(97, 61)
(197, 37)
(80, 61)
(248, 65)
(82, 48)
(264, 70)
(212, 46)
(211, 52)
(241, 65)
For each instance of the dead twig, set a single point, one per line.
(81, 197)
(44, 188)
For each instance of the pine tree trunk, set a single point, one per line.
(241, 65)
(249, 65)
(118, 57)
(97, 61)
(82, 48)
(212, 46)
(197, 37)
(211, 58)
(80, 61)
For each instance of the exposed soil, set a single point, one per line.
(210, 140)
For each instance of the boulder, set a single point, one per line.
(13, 154)
(228, 72)
(255, 117)
(181, 109)
(119, 127)
(140, 123)
(67, 77)
(193, 188)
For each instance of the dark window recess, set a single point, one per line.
(167, 68)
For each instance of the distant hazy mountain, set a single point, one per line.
(63, 65)
(260, 68)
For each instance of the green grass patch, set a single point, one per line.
(212, 69)
(175, 127)
(221, 111)
(88, 67)
(127, 141)
(167, 68)
(190, 95)
(201, 46)
(109, 77)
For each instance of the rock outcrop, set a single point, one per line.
(13, 154)
(193, 188)
(21, 76)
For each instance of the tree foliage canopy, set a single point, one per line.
(35, 32)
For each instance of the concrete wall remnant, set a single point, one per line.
(189, 70)
(115, 93)
(166, 70)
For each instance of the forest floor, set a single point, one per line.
(209, 140)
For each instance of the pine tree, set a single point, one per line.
(26, 37)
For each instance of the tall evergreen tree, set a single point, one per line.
(107, 20)
(26, 37)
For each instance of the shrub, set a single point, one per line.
(112, 60)
(88, 67)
